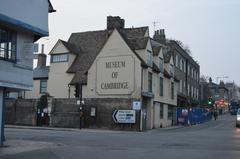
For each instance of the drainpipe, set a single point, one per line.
(141, 122)
(69, 90)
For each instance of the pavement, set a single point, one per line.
(19, 146)
(13, 146)
(209, 140)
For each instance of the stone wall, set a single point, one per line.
(21, 112)
(104, 110)
(66, 113)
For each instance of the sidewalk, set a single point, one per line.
(68, 129)
(18, 146)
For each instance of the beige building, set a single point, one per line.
(116, 63)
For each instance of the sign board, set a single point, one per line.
(124, 116)
(136, 105)
(115, 75)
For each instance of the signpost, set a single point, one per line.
(124, 116)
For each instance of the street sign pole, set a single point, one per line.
(1, 116)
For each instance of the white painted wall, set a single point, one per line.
(115, 46)
(58, 79)
(164, 122)
(32, 12)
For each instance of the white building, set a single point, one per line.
(21, 25)
(116, 63)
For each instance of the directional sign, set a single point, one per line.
(124, 116)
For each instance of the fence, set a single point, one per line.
(193, 116)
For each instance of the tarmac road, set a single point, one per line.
(215, 139)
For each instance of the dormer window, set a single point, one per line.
(161, 64)
(59, 58)
(149, 58)
(171, 70)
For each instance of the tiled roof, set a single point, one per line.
(155, 68)
(41, 72)
(91, 44)
(134, 32)
(138, 43)
(71, 47)
(156, 50)
(156, 46)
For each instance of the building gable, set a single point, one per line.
(115, 46)
(59, 48)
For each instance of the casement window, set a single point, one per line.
(149, 82)
(170, 112)
(171, 70)
(161, 64)
(8, 44)
(161, 111)
(149, 58)
(59, 58)
(176, 61)
(172, 90)
(180, 88)
(183, 65)
(43, 86)
(180, 63)
(161, 86)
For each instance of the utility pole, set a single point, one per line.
(154, 26)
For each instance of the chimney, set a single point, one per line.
(42, 58)
(159, 36)
(115, 22)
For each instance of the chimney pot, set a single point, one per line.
(115, 22)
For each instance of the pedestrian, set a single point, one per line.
(215, 114)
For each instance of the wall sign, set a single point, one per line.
(115, 75)
(136, 105)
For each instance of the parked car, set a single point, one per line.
(238, 118)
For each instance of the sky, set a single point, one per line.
(210, 28)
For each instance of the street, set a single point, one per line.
(215, 139)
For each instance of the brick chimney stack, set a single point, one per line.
(42, 58)
(159, 36)
(115, 22)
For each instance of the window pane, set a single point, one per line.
(161, 64)
(7, 44)
(43, 86)
(161, 86)
(149, 82)
(149, 58)
(60, 58)
(161, 111)
(172, 90)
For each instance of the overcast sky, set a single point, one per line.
(211, 28)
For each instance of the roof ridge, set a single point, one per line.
(95, 31)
